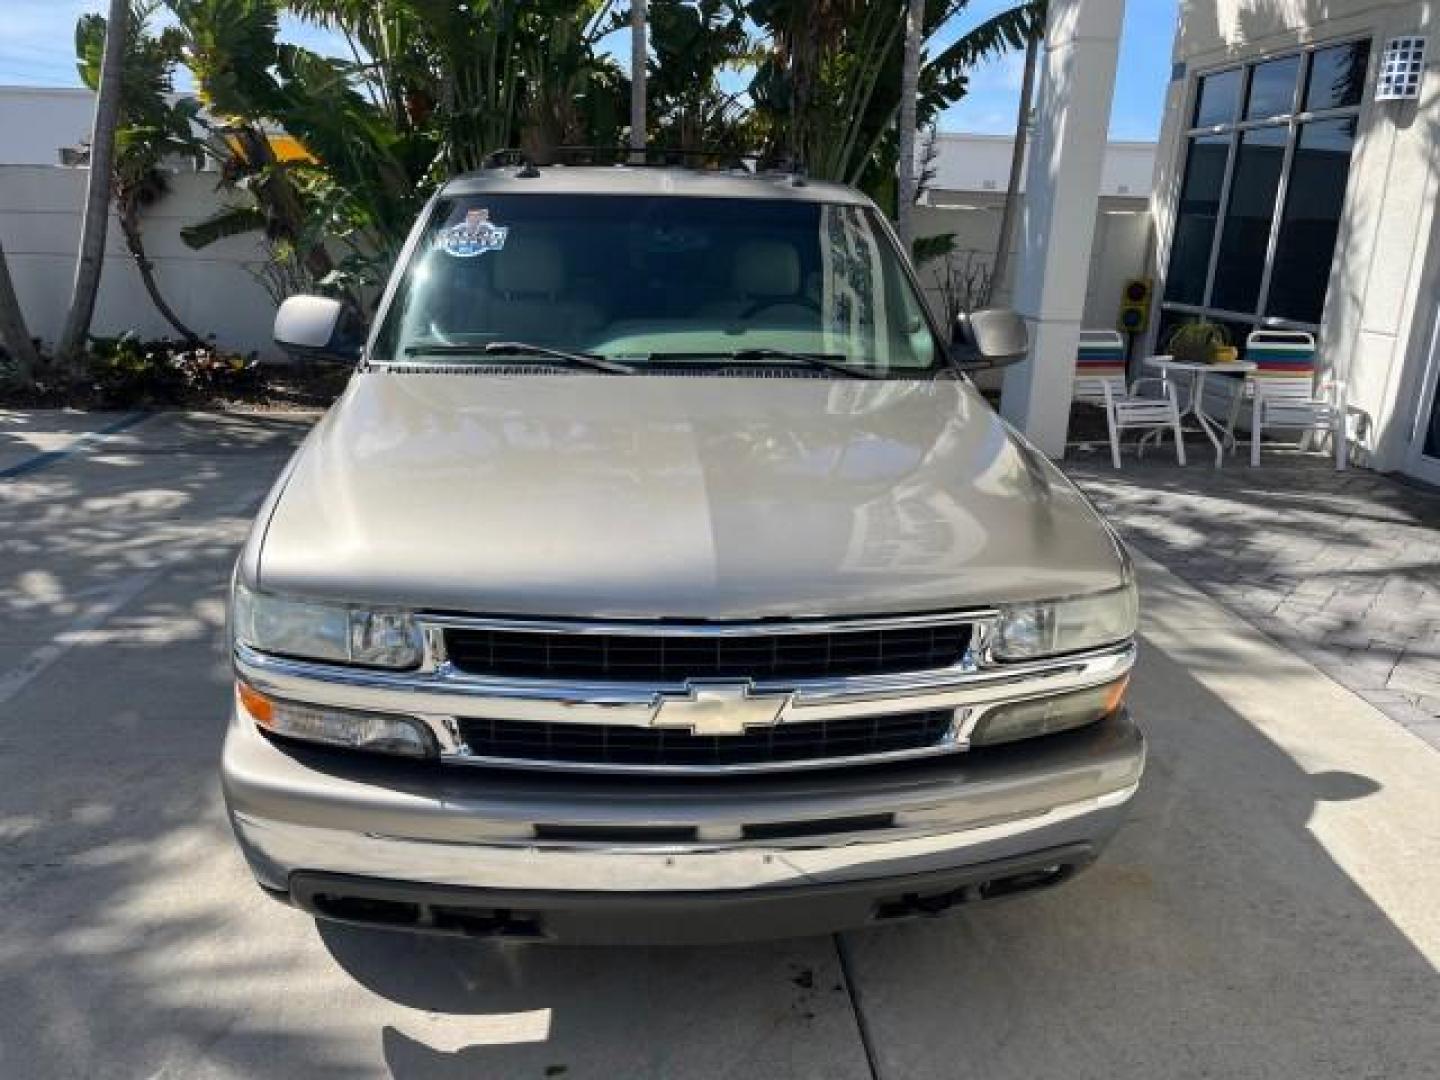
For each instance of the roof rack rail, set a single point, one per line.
(715, 158)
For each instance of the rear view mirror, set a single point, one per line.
(317, 326)
(989, 338)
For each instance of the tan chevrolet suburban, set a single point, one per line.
(660, 576)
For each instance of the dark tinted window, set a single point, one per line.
(1272, 88)
(1219, 98)
(1246, 234)
(1432, 433)
(1195, 223)
(1311, 221)
(1337, 77)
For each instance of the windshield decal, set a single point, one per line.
(474, 236)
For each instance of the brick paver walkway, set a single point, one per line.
(1342, 568)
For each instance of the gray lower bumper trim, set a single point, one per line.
(675, 917)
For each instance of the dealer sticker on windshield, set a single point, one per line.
(474, 236)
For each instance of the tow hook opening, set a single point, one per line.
(923, 905)
(436, 918)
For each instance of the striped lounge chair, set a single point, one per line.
(1283, 392)
(1100, 372)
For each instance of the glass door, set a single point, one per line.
(1424, 458)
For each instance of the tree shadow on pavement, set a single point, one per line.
(1217, 937)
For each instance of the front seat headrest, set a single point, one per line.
(530, 265)
(767, 268)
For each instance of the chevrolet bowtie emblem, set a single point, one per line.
(719, 708)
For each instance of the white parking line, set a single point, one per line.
(80, 632)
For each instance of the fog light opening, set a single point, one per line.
(1029, 881)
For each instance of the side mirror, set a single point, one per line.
(989, 338)
(317, 326)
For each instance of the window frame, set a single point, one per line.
(1234, 130)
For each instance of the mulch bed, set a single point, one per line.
(270, 387)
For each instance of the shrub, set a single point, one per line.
(1195, 342)
(126, 371)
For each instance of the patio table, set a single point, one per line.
(1214, 430)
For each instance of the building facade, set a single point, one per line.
(1290, 194)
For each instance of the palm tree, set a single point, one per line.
(638, 56)
(13, 334)
(829, 86)
(97, 193)
(151, 129)
(687, 106)
(909, 91)
(1017, 163)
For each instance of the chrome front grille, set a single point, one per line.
(658, 657)
(672, 697)
(689, 726)
(644, 749)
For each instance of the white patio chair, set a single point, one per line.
(1283, 393)
(1100, 380)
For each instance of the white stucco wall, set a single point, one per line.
(211, 289)
(981, 163)
(1121, 249)
(36, 121)
(1382, 299)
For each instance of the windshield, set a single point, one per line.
(658, 281)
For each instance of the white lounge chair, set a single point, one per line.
(1100, 380)
(1284, 393)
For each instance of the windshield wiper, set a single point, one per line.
(810, 359)
(522, 348)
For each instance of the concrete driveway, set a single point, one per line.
(1272, 909)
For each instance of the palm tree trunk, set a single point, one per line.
(13, 334)
(909, 91)
(135, 242)
(1017, 165)
(638, 55)
(97, 194)
(807, 34)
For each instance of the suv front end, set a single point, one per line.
(698, 619)
(698, 808)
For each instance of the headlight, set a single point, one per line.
(1031, 630)
(317, 631)
(379, 733)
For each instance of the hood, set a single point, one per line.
(673, 496)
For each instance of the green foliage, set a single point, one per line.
(226, 222)
(828, 91)
(152, 125)
(694, 42)
(926, 249)
(433, 86)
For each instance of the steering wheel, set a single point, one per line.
(780, 301)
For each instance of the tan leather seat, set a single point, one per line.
(765, 286)
(531, 298)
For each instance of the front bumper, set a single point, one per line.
(589, 858)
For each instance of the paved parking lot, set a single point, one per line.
(1269, 910)
(1342, 568)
